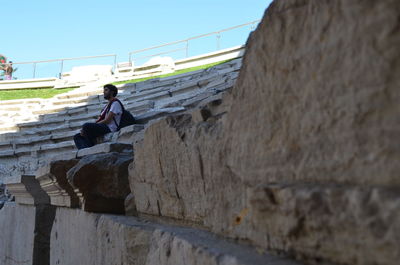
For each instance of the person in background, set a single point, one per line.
(8, 69)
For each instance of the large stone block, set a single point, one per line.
(343, 222)
(315, 102)
(101, 181)
(16, 234)
(316, 99)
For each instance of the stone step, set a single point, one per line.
(36, 138)
(17, 117)
(135, 108)
(80, 92)
(168, 84)
(182, 87)
(178, 99)
(33, 142)
(55, 121)
(83, 110)
(128, 134)
(91, 99)
(157, 96)
(5, 146)
(76, 102)
(55, 109)
(191, 98)
(168, 81)
(160, 84)
(157, 113)
(21, 101)
(8, 127)
(145, 93)
(78, 108)
(29, 159)
(44, 144)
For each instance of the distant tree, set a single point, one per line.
(3, 61)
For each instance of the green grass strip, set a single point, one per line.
(32, 93)
(205, 66)
(51, 92)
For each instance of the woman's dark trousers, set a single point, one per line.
(90, 131)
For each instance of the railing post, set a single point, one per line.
(61, 68)
(187, 49)
(115, 62)
(252, 26)
(34, 70)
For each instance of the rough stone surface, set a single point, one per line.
(187, 246)
(16, 234)
(73, 237)
(79, 237)
(302, 156)
(102, 179)
(325, 108)
(130, 205)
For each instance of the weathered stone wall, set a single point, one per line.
(17, 224)
(303, 155)
(87, 238)
(80, 237)
(318, 94)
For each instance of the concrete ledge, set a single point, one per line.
(52, 179)
(213, 57)
(112, 239)
(28, 83)
(106, 148)
(157, 113)
(26, 190)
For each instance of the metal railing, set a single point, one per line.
(34, 63)
(186, 49)
(186, 41)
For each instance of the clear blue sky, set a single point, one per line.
(44, 29)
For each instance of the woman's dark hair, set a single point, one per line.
(112, 88)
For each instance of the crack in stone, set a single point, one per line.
(201, 164)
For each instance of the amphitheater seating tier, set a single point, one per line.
(37, 129)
